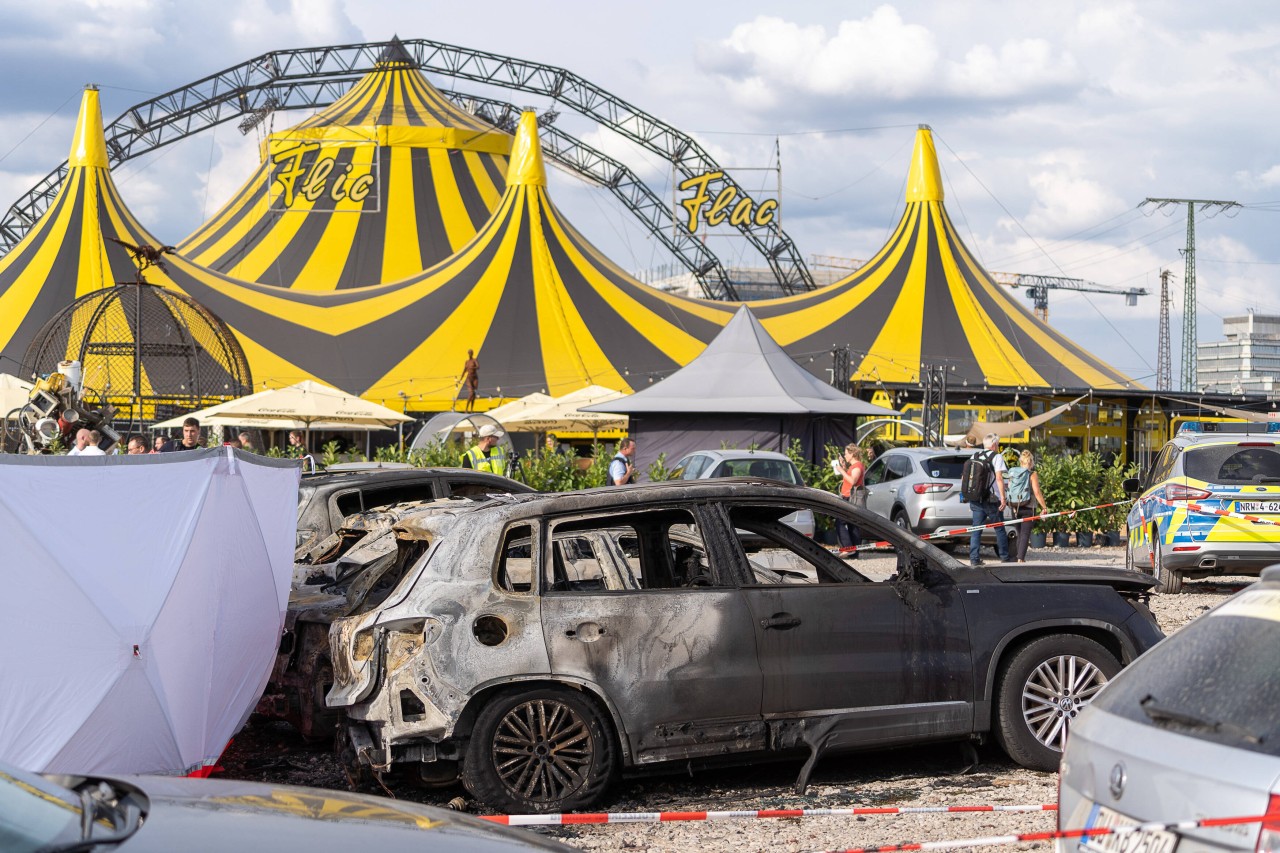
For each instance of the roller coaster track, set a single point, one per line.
(316, 77)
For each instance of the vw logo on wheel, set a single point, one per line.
(1118, 778)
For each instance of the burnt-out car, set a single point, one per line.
(326, 499)
(539, 646)
(348, 571)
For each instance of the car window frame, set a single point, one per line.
(874, 475)
(907, 462)
(609, 516)
(873, 527)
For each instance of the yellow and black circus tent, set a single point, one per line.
(924, 299)
(75, 250)
(541, 307)
(67, 253)
(384, 183)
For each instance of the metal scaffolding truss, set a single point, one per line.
(315, 77)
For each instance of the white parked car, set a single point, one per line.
(758, 464)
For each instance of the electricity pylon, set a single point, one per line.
(1189, 337)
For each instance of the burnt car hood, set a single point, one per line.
(1118, 579)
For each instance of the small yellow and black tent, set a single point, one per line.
(924, 299)
(75, 250)
(385, 182)
(65, 255)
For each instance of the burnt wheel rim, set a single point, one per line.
(1055, 693)
(542, 750)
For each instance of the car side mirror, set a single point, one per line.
(1131, 485)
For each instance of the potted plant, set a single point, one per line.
(1053, 473)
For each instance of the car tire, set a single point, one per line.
(1041, 688)
(540, 751)
(900, 519)
(1167, 580)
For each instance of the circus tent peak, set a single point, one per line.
(924, 299)
(386, 181)
(69, 252)
(88, 145)
(543, 309)
(73, 250)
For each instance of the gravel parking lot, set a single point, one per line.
(940, 775)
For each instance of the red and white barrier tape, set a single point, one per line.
(962, 531)
(1224, 513)
(671, 817)
(1062, 833)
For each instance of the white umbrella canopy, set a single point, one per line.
(313, 405)
(14, 393)
(217, 416)
(516, 408)
(563, 414)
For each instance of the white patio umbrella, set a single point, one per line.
(563, 414)
(307, 405)
(14, 393)
(516, 408)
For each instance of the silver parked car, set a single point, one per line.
(918, 489)
(1190, 730)
(760, 464)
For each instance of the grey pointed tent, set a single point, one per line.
(742, 391)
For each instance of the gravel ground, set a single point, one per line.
(940, 775)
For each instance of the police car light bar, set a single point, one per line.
(1238, 427)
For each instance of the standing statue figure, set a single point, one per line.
(471, 378)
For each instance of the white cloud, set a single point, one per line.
(767, 61)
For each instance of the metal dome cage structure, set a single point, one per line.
(148, 352)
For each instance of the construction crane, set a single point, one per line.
(1038, 286)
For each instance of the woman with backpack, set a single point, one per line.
(1023, 484)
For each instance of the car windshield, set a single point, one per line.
(944, 467)
(35, 814)
(1234, 464)
(1214, 680)
(783, 470)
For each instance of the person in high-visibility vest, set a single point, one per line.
(486, 454)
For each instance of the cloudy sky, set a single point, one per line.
(1053, 122)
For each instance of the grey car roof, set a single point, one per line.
(930, 451)
(732, 453)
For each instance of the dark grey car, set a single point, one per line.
(541, 645)
(136, 814)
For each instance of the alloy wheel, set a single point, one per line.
(1055, 692)
(542, 750)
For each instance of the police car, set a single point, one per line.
(1208, 468)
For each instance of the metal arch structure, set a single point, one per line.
(599, 168)
(316, 77)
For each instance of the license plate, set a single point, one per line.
(1147, 841)
(1257, 506)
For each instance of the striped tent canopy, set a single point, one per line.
(72, 250)
(540, 306)
(385, 182)
(924, 299)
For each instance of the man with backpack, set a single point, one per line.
(982, 485)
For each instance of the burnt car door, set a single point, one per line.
(858, 661)
(632, 606)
